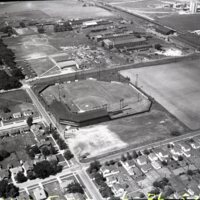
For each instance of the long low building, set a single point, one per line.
(119, 44)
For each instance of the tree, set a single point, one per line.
(55, 135)
(6, 109)
(146, 152)
(94, 166)
(134, 154)
(20, 178)
(75, 188)
(44, 169)
(190, 172)
(31, 175)
(17, 73)
(4, 154)
(156, 184)
(22, 24)
(62, 144)
(29, 121)
(68, 155)
(129, 157)
(123, 158)
(8, 190)
(158, 47)
(45, 151)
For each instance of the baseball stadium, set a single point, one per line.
(85, 102)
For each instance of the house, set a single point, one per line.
(145, 168)
(156, 165)
(195, 145)
(43, 143)
(176, 151)
(27, 113)
(52, 158)
(142, 160)
(137, 172)
(128, 164)
(17, 115)
(4, 174)
(185, 147)
(39, 194)
(161, 153)
(110, 180)
(152, 157)
(16, 170)
(190, 191)
(118, 190)
(131, 171)
(28, 166)
(187, 154)
(109, 170)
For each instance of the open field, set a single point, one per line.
(61, 9)
(147, 8)
(31, 46)
(175, 86)
(91, 94)
(182, 22)
(131, 131)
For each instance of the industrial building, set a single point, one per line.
(67, 64)
(120, 44)
(164, 30)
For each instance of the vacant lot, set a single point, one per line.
(131, 131)
(91, 94)
(175, 86)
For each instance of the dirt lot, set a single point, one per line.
(175, 86)
(125, 132)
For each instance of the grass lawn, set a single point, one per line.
(53, 189)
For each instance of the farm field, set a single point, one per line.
(87, 95)
(132, 131)
(175, 86)
(58, 9)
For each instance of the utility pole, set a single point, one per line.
(136, 80)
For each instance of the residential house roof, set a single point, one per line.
(39, 194)
(142, 160)
(145, 168)
(28, 165)
(185, 147)
(156, 165)
(16, 170)
(152, 157)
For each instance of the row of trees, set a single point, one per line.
(41, 170)
(7, 58)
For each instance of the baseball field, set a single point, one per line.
(87, 95)
(175, 86)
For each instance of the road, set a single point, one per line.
(78, 168)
